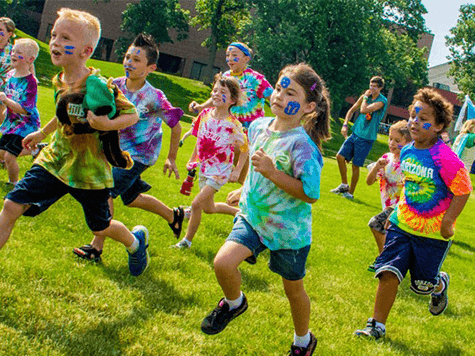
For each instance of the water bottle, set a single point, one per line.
(188, 182)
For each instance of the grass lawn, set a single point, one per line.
(54, 304)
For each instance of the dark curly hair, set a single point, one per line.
(443, 110)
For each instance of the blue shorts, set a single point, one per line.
(12, 144)
(289, 264)
(41, 189)
(356, 148)
(128, 184)
(422, 256)
(472, 170)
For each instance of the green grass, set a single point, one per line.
(55, 304)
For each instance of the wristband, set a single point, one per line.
(42, 131)
(345, 125)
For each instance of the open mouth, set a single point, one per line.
(55, 53)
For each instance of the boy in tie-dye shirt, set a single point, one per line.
(436, 189)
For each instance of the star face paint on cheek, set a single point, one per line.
(284, 82)
(292, 108)
(426, 126)
(417, 109)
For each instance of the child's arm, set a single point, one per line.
(264, 165)
(233, 197)
(454, 210)
(12, 105)
(103, 123)
(31, 140)
(195, 107)
(239, 166)
(170, 164)
(192, 158)
(372, 175)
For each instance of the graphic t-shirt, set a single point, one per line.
(432, 177)
(215, 143)
(24, 91)
(144, 139)
(255, 89)
(5, 64)
(78, 160)
(281, 221)
(391, 181)
(366, 125)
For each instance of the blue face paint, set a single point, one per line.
(284, 82)
(138, 51)
(224, 98)
(236, 59)
(2, 34)
(69, 47)
(292, 108)
(21, 57)
(400, 146)
(127, 74)
(68, 52)
(426, 126)
(227, 60)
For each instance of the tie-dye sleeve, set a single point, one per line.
(29, 104)
(307, 166)
(241, 137)
(264, 89)
(196, 124)
(171, 114)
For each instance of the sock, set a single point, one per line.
(381, 325)
(135, 245)
(187, 241)
(441, 282)
(233, 304)
(302, 341)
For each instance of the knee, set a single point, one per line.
(12, 210)
(9, 158)
(209, 209)
(340, 158)
(221, 265)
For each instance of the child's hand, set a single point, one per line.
(101, 123)
(382, 162)
(31, 140)
(262, 163)
(170, 166)
(233, 197)
(194, 107)
(447, 228)
(3, 97)
(234, 176)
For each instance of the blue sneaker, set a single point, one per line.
(138, 261)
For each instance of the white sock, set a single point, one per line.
(442, 283)
(233, 304)
(135, 245)
(302, 341)
(188, 242)
(381, 325)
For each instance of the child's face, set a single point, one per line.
(396, 142)
(67, 45)
(135, 63)
(289, 100)
(422, 125)
(221, 96)
(4, 35)
(236, 59)
(20, 57)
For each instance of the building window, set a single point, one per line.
(104, 49)
(49, 28)
(198, 70)
(170, 64)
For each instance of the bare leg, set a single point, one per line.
(149, 203)
(8, 216)
(226, 263)
(385, 296)
(342, 167)
(118, 232)
(12, 167)
(202, 201)
(299, 305)
(354, 178)
(380, 239)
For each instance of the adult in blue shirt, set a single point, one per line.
(372, 105)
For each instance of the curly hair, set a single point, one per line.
(443, 110)
(402, 129)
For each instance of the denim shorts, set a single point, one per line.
(40, 189)
(422, 256)
(208, 181)
(356, 148)
(12, 144)
(289, 264)
(128, 184)
(378, 221)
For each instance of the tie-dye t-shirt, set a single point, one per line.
(78, 160)
(391, 181)
(281, 221)
(144, 139)
(255, 89)
(433, 177)
(22, 90)
(5, 64)
(215, 143)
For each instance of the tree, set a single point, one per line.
(225, 18)
(347, 42)
(461, 45)
(154, 17)
(15, 9)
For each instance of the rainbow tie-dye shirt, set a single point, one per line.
(5, 64)
(255, 89)
(281, 220)
(22, 90)
(144, 139)
(432, 177)
(215, 145)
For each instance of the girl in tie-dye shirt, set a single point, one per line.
(7, 30)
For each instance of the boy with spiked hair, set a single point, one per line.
(74, 163)
(143, 140)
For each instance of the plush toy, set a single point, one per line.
(99, 98)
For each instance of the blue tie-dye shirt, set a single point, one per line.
(22, 90)
(281, 221)
(5, 64)
(144, 139)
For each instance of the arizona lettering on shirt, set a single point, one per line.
(417, 169)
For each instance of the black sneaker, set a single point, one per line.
(304, 351)
(438, 303)
(220, 317)
(371, 330)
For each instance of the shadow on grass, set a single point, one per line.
(447, 349)
(464, 245)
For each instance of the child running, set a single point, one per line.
(436, 189)
(75, 163)
(388, 171)
(143, 141)
(218, 133)
(283, 182)
(255, 89)
(19, 97)
(464, 145)
(7, 31)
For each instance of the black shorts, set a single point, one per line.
(12, 144)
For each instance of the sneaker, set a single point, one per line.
(182, 245)
(371, 330)
(220, 317)
(438, 303)
(348, 196)
(88, 252)
(304, 351)
(38, 149)
(138, 261)
(342, 188)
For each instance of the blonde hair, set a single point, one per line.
(9, 24)
(92, 25)
(30, 45)
(468, 127)
(402, 129)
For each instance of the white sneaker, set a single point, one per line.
(342, 188)
(348, 196)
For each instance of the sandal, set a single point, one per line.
(178, 216)
(88, 252)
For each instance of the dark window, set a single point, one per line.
(198, 69)
(104, 49)
(170, 64)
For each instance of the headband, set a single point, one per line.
(241, 47)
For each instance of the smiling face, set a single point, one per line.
(396, 142)
(21, 58)
(136, 64)
(375, 89)
(5, 35)
(221, 96)
(236, 59)
(422, 125)
(288, 101)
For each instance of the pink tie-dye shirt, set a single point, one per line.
(391, 181)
